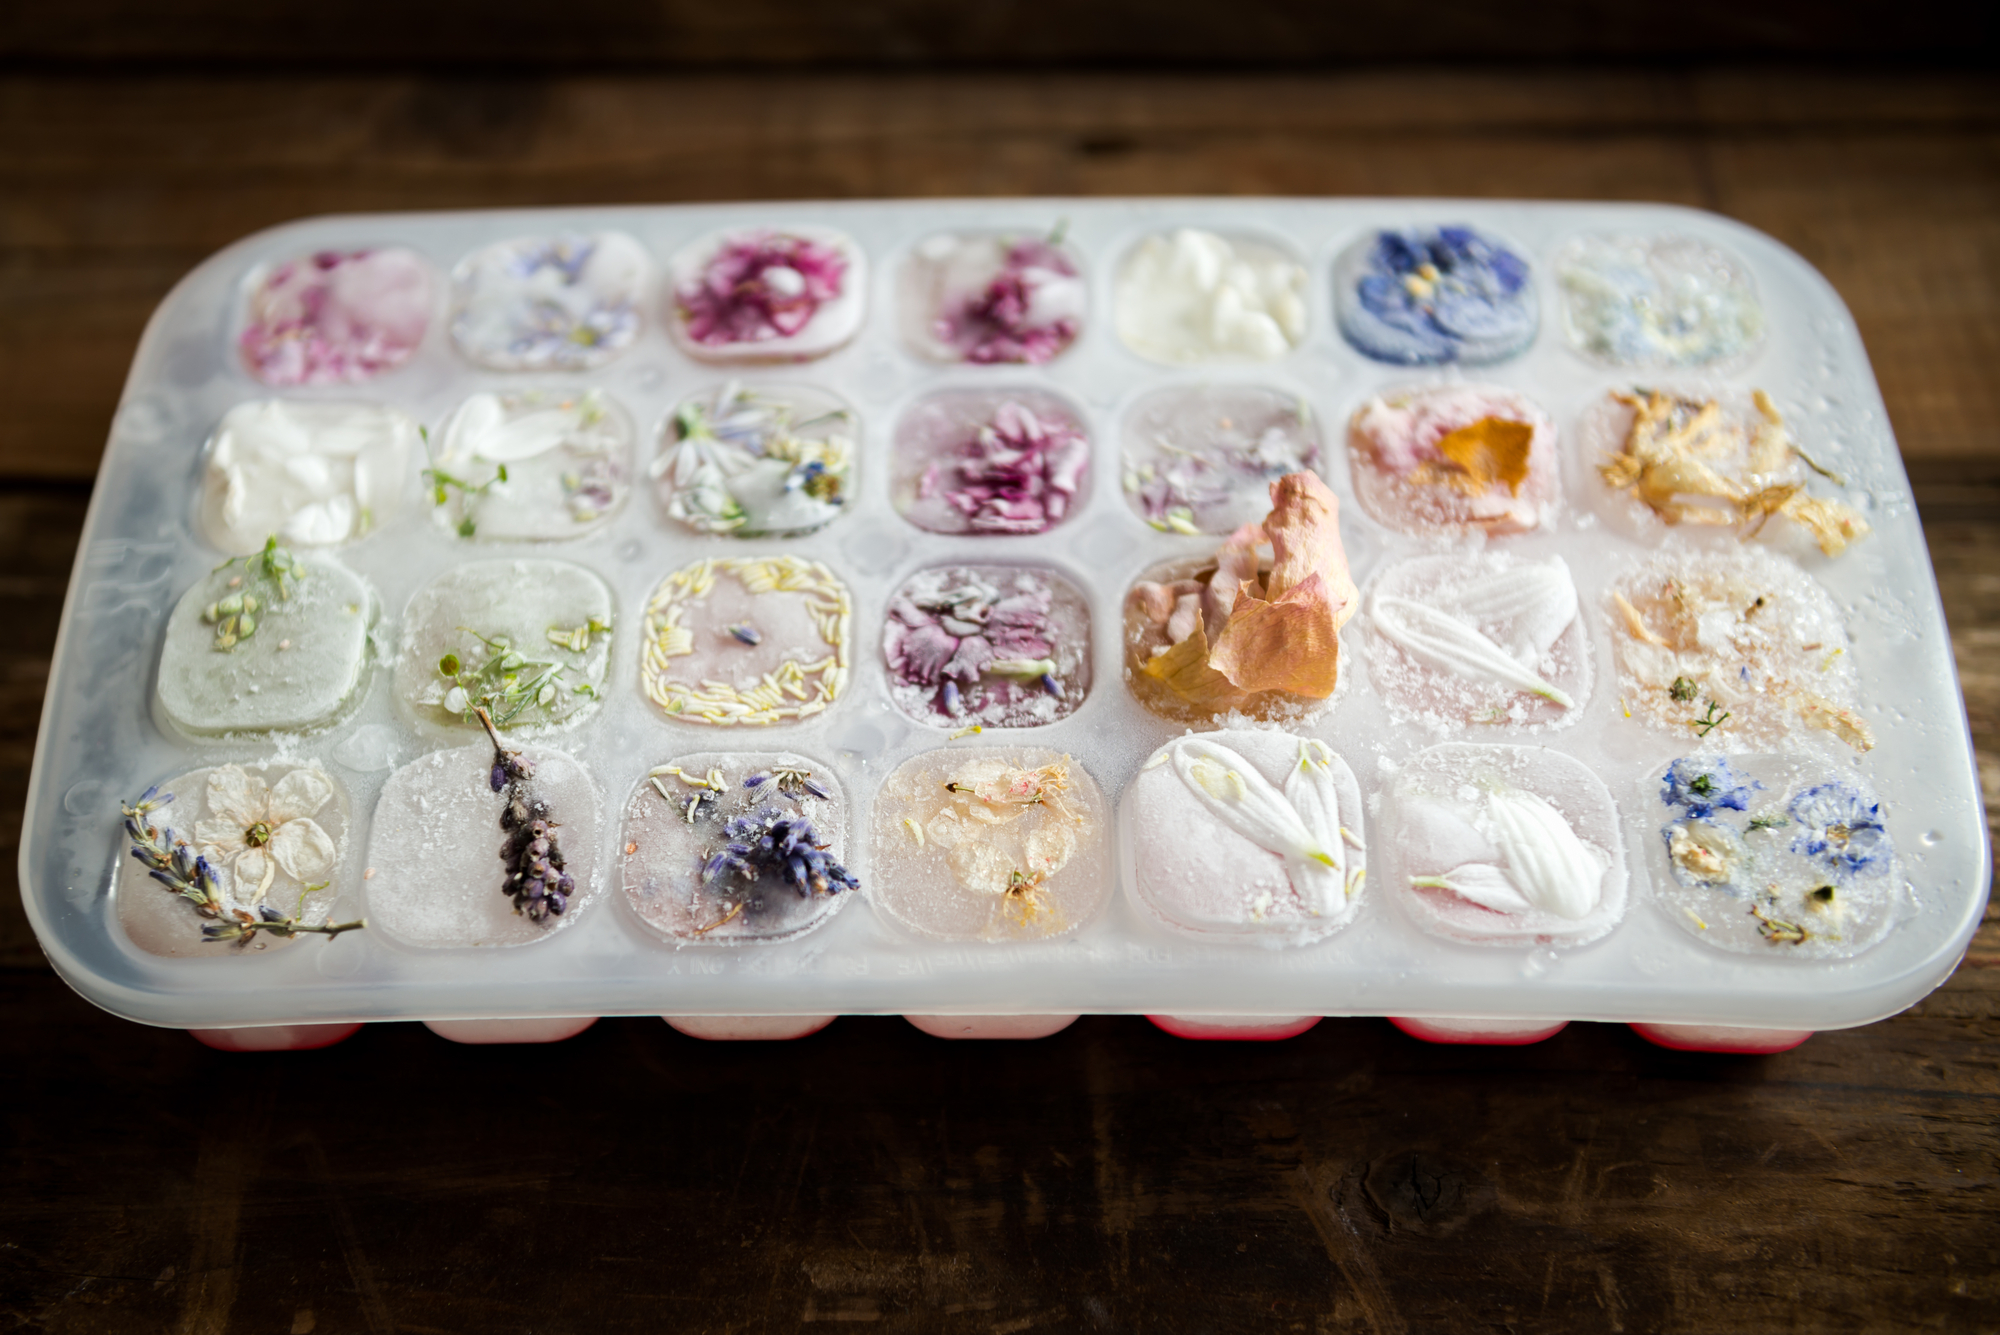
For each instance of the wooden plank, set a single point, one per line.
(1110, 1178)
(904, 33)
(111, 186)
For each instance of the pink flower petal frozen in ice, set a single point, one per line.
(337, 317)
(761, 286)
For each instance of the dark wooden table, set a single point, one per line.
(1110, 1178)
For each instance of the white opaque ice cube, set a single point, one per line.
(1194, 867)
(991, 844)
(434, 863)
(301, 668)
(311, 474)
(520, 607)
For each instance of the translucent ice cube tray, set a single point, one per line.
(100, 743)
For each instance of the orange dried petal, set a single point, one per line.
(1493, 449)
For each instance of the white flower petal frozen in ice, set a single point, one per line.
(314, 474)
(1193, 296)
(1553, 869)
(1481, 882)
(255, 831)
(1241, 798)
(1530, 603)
(1445, 642)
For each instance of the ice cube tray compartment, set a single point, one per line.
(100, 741)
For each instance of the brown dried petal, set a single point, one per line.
(1493, 449)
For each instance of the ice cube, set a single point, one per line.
(554, 617)
(436, 849)
(566, 455)
(210, 813)
(991, 844)
(747, 640)
(540, 303)
(299, 668)
(1199, 872)
(1001, 646)
(678, 837)
(1201, 459)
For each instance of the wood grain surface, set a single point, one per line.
(1110, 1178)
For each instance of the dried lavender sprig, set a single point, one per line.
(783, 845)
(536, 880)
(169, 861)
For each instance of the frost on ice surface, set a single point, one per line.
(1485, 640)
(1738, 648)
(550, 303)
(436, 846)
(1202, 459)
(696, 866)
(991, 844)
(1247, 834)
(311, 474)
(1776, 854)
(1506, 845)
(1453, 458)
(537, 464)
(1001, 646)
(276, 834)
(299, 668)
(530, 640)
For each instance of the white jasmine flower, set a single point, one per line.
(256, 831)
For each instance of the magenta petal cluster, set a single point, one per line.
(761, 286)
(1007, 322)
(975, 649)
(337, 317)
(1019, 474)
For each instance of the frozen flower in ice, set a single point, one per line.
(1689, 464)
(756, 461)
(1704, 851)
(1018, 474)
(1236, 631)
(256, 830)
(1705, 786)
(1423, 297)
(337, 317)
(566, 302)
(761, 286)
(1028, 311)
(1841, 826)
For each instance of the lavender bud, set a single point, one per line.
(498, 778)
(558, 901)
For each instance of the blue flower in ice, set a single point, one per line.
(1841, 826)
(1423, 297)
(1704, 786)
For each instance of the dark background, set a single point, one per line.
(1109, 1178)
